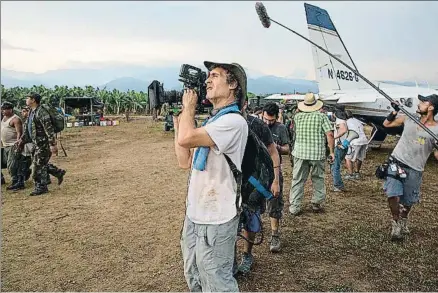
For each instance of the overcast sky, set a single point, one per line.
(387, 40)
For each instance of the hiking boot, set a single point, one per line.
(275, 243)
(19, 185)
(396, 231)
(349, 177)
(294, 211)
(12, 186)
(39, 189)
(316, 208)
(246, 264)
(61, 176)
(403, 222)
(356, 175)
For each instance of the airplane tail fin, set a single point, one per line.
(330, 74)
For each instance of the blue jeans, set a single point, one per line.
(336, 167)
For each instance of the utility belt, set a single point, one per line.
(392, 168)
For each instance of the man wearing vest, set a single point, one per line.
(212, 207)
(11, 130)
(38, 129)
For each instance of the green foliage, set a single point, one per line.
(116, 102)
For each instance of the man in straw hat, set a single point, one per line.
(309, 153)
(210, 227)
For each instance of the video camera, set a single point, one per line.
(194, 78)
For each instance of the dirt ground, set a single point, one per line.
(114, 225)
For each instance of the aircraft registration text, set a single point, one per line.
(342, 74)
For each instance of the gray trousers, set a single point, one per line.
(208, 254)
(301, 171)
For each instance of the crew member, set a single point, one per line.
(340, 153)
(210, 226)
(358, 147)
(402, 186)
(281, 138)
(256, 203)
(312, 129)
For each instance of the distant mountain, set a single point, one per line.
(138, 78)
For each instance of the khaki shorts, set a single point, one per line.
(357, 152)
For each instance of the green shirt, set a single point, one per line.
(310, 129)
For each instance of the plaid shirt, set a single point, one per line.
(310, 129)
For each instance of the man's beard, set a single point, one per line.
(424, 113)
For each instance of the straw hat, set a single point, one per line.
(310, 103)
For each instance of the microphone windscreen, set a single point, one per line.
(263, 15)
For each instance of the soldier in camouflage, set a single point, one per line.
(38, 129)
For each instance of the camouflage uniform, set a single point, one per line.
(38, 129)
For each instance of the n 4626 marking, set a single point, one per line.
(343, 74)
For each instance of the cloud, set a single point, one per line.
(7, 46)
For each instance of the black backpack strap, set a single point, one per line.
(238, 177)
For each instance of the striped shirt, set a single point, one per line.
(310, 129)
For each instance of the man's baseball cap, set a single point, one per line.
(433, 99)
(238, 71)
(34, 96)
(7, 105)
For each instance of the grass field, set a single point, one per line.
(114, 225)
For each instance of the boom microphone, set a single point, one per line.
(263, 14)
(266, 22)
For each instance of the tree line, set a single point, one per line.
(115, 101)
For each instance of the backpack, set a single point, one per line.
(56, 118)
(257, 167)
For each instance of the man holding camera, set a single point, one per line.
(210, 226)
(407, 161)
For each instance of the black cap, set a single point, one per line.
(433, 99)
(34, 96)
(7, 105)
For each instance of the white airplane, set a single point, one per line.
(338, 85)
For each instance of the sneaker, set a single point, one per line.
(349, 177)
(396, 231)
(403, 222)
(316, 208)
(246, 264)
(335, 189)
(356, 175)
(275, 243)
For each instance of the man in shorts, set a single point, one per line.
(358, 147)
(256, 202)
(407, 161)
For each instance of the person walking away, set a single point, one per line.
(358, 147)
(256, 202)
(409, 157)
(38, 129)
(213, 205)
(312, 127)
(340, 153)
(281, 138)
(11, 130)
(26, 162)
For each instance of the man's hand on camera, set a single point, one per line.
(189, 99)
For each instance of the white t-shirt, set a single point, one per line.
(337, 123)
(355, 125)
(211, 195)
